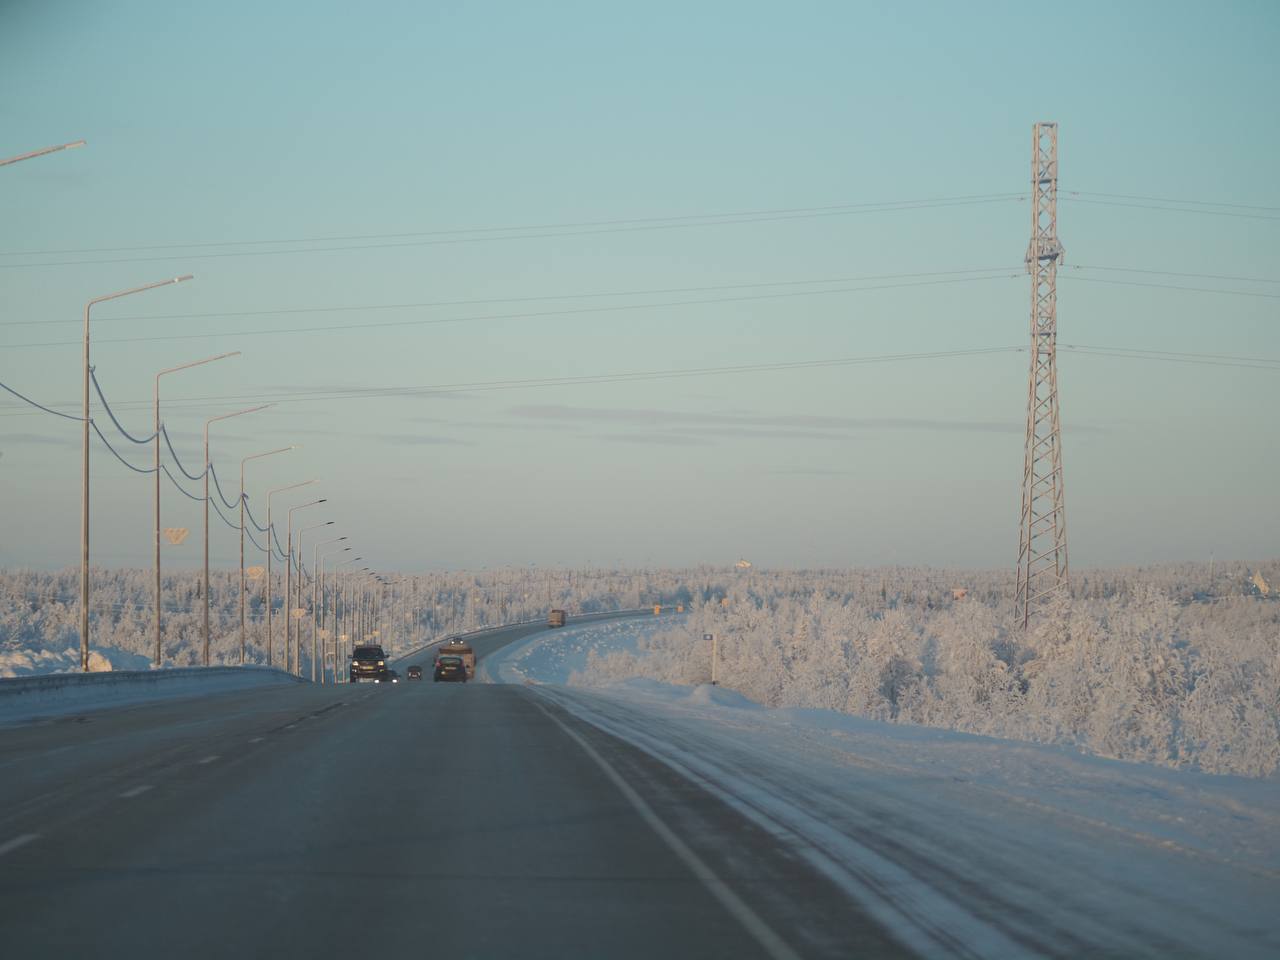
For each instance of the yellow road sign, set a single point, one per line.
(175, 535)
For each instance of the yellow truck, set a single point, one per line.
(457, 647)
(557, 618)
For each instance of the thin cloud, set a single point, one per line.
(689, 420)
(656, 439)
(421, 440)
(39, 439)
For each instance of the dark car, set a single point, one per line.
(368, 664)
(450, 668)
(389, 676)
(415, 672)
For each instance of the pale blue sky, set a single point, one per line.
(264, 122)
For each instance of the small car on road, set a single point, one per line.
(450, 668)
(414, 672)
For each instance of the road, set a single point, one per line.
(448, 820)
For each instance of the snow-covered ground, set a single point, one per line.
(961, 844)
(16, 661)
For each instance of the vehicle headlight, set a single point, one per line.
(381, 664)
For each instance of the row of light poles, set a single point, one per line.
(291, 559)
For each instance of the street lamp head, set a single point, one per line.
(74, 145)
(324, 500)
(184, 278)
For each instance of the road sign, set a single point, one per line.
(298, 613)
(175, 535)
(254, 573)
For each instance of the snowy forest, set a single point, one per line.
(1173, 664)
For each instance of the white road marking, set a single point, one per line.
(750, 921)
(209, 759)
(135, 791)
(257, 740)
(290, 726)
(19, 841)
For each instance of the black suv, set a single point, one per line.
(368, 663)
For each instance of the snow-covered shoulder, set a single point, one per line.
(996, 846)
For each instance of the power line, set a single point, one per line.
(674, 223)
(1203, 359)
(1197, 203)
(652, 291)
(576, 311)
(1172, 209)
(1174, 286)
(622, 377)
(1161, 273)
(302, 396)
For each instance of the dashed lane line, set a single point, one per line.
(209, 759)
(19, 841)
(257, 739)
(135, 791)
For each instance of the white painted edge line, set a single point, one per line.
(209, 759)
(135, 791)
(750, 921)
(19, 841)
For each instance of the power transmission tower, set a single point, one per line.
(1042, 552)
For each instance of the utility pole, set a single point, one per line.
(1042, 550)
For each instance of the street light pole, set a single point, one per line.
(327, 621)
(297, 633)
(271, 644)
(340, 595)
(43, 152)
(207, 468)
(288, 582)
(185, 366)
(315, 610)
(84, 489)
(243, 461)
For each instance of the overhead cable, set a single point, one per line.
(575, 311)
(39, 406)
(107, 407)
(174, 454)
(485, 234)
(659, 291)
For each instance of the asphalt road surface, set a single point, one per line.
(415, 819)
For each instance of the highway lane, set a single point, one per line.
(446, 819)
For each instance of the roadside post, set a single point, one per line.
(711, 637)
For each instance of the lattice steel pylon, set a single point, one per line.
(1042, 552)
